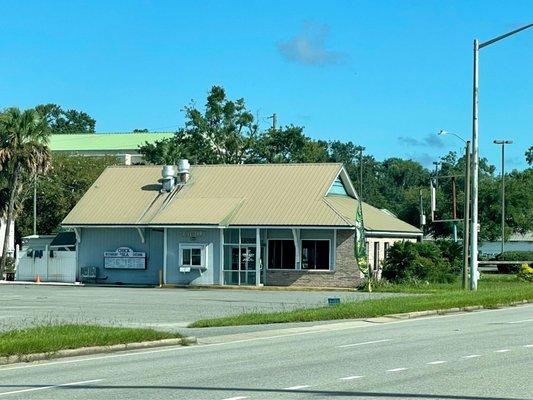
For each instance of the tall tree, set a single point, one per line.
(222, 133)
(23, 150)
(529, 155)
(65, 121)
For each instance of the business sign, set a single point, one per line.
(124, 258)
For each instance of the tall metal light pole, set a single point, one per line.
(503, 143)
(466, 218)
(475, 155)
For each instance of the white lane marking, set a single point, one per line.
(236, 398)
(297, 387)
(521, 321)
(363, 343)
(189, 348)
(349, 378)
(396, 369)
(502, 351)
(436, 362)
(49, 387)
(472, 356)
(528, 345)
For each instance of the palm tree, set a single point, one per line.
(23, 150)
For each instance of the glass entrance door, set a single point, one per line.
(242, 266)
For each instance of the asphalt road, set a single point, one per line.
(480, 355)
(163, 309)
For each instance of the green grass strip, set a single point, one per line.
(51, 338)
(495, 293)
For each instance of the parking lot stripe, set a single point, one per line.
(363, 343)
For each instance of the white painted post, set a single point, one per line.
(221, 277)
(165, 256)
(257, 257)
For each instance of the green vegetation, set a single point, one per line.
(427, 262)
(525, 273)
(24, 152)
(494, 291)
(51, 338)
(58, 191)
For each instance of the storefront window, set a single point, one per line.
(315, 254)
(281, 254)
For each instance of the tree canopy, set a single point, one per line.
(62, 121)
(225, 131)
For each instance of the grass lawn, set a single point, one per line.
(493, 291)
(50, 338)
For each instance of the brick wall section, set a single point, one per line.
(345, 274)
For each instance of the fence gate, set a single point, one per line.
(51, 266)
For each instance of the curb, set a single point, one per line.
(84, 351)
(261, 288)
(455, 310)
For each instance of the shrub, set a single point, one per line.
(525, 273)
(407, 261)
(512, 256)
(453, 252)
(10, 264)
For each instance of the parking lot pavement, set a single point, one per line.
(166, 309)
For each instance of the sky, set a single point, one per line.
(387, 75)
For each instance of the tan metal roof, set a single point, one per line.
(258, 194)
(374, 218)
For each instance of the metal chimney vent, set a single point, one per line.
(183, 170)
(168, 175)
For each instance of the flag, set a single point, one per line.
(360, 242)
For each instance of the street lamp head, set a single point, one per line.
(442, 132)
(503, 142)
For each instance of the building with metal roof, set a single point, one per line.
(271, 224)
(124, 145)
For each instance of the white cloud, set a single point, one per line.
(309, 47)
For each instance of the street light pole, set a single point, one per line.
(475, 154)
(503, 143)
(474, 173)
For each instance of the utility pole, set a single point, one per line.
(503, 143)
(454, 211)
(466, 227)
(274, 118)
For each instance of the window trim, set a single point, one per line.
(203, 254)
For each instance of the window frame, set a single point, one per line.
(269, 255)
(193, 246)
(302, 251)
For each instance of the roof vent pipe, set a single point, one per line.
(183, 170)
(168, 175)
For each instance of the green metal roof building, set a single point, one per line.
(124, 144)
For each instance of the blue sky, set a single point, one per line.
(384, 74)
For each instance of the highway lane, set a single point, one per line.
(480, 355)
